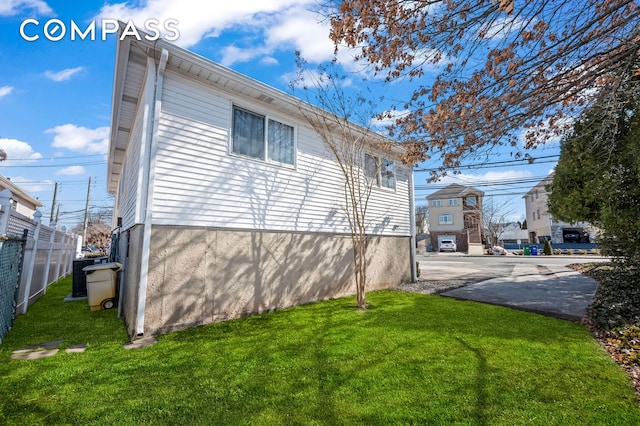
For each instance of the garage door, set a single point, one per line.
(446, 237)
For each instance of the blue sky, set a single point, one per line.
(55, 96)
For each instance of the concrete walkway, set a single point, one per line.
(549, 290)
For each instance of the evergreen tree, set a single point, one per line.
(600, 183)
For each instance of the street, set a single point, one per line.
(441, 266)
(541, 284)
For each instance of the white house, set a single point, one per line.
(21, 201)
(229, 203)
(542, 226)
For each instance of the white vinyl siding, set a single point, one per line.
(198, 183)
(131, 178)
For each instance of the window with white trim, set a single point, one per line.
(436, 203)
(263, 138)
(380, 171)
(453, 202)
(446, 219)
(371, 169)
(387, 174)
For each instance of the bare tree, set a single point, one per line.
(98, 229)
(422, 216)
(494, 68)
(343, 123)
(495, 218)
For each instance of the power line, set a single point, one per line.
(506, 163)
(482, 183)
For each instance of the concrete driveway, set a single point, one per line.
(537, 285)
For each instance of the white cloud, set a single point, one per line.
(198, 19)
(18, 152)
(233, 54)
(15, 7)
(32, 186)
(5, 90)
(269, 60)
(71, 171)
(301, 29)
(390, 120)
(81, 139)
(500, 28)
(64, 74)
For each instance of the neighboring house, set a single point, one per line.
(513, 233)
(542, 226)
(229, 203)
(21, 202)
(455, 213)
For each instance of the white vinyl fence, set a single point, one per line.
(46, 254)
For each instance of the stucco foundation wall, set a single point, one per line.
(131, 275)
(203, 275)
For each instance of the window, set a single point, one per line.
(471, 200)
(258, 137)
(436, 203)
(280, 143)
(446, 219)
(371, 169)
(380, 171)
(388, 174)
(453, 202)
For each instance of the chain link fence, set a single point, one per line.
(11, 255)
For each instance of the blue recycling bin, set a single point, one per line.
(534, 250)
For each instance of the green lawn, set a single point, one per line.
(409, 359)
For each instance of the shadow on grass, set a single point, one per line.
(408, 359)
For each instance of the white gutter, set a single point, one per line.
(412, 227)
(148, 200)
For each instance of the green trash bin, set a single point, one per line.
(527, 250)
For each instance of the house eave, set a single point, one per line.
(19, 193)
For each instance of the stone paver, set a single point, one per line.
(34, 354)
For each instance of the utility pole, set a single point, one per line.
(86, 214)
(53, 204)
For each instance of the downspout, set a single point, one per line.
(147, 219)
(412, 227)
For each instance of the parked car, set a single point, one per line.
(448, 245)
(572, 237)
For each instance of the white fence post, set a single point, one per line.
(47, 266)
(70, 255)
(61, 250)
(5, 210)
(37, 218)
